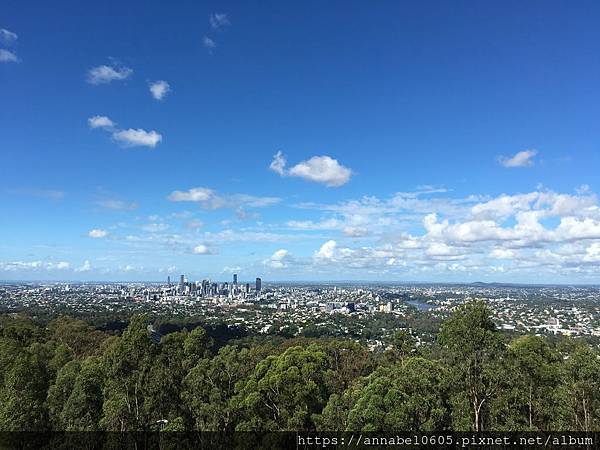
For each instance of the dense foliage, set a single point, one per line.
(68, 375)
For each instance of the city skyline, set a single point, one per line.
(448, 144)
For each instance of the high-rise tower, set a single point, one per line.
(258, 285)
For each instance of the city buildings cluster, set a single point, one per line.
(202, 289)
(370, 312)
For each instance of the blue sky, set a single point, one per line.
(427, 141)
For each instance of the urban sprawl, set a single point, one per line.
(367, 312)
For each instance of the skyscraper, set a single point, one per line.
(169, 281)
(235, 279)
(258, 285)
(181, 280)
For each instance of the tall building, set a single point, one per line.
(169, 281)
(258, 285)
(181, 280)
(235, 279)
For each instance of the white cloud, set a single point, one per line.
(201, 250)
(322, 169)
(474, 221)
(541, 233)
(209, 199)
(116, 204)
(104, 74)
(572, 228)
(521, 159)
(7, 37)
(592, 253)
(252, 201)
(27, 266)
(219, 20)
(502, 253)
(503, 206)
(21, 265)
(194, 224)
(279, 254)
(370, 216)
(181, 215)
(86, 267)
(137, 138)
(583, 189)
(6, 56)
(208, 43)
(97, 233)
(279, 259)
(506, 206)
(155, 227)
(327, 250)
(278, 163)
(228, 236)
(127, 138)
(159, 89)
(440, 250)
(198, 194)
(356, 231)
(100, 122)
(319, 169)
(328, 224)
(331, 257)
(242, 214)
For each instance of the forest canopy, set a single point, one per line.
(67, 375)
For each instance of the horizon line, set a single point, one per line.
(459, 283)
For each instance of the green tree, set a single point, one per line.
(127, 364)
(334, 416)
(530, 378)
(59, 393)
(347, 360)
(23, 395)
(83, 409)
(284, 392)
(20, 329)
(62, 355)
(579, 395)
(473, 350)
(404, 343)
(82, 338)
(196, 346)
(210, 385)
(162, 400)
(406, 397)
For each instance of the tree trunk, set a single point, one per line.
(530, 408)
(476, 412)
(585, 416)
